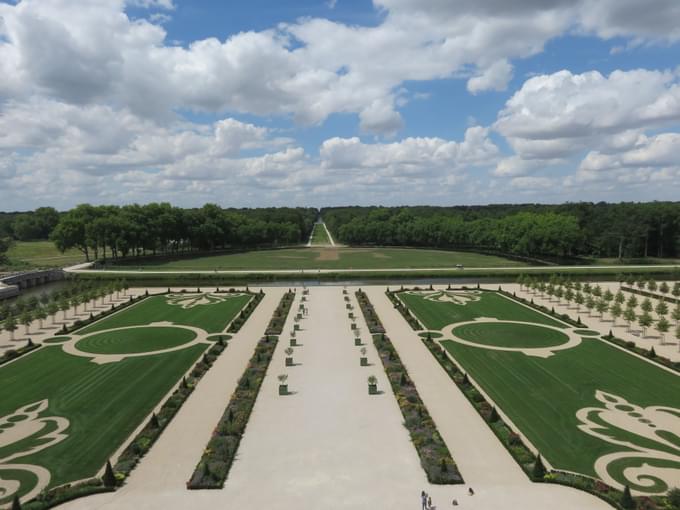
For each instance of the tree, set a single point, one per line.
(632, 301)
(676, 290)
(579, 301)
(10, 325)
(675, 314)
(661, 308)
(597, 291)
(662, 326)
(645, 320)
(590, 303)
(26, 318)
(664, 288)
(109, 479)
(41, 315)
(616, 310)
(620, 298)
(569, 295)
(16, 504)
(5, 245)
(627, 500)
(674, 497)
(539, 471)
(64, 305)
(651, 285)
(630, 316)
(52, 309)
(646, 305)
(677, 334)
(601, 306)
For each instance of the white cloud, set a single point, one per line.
(495, 77)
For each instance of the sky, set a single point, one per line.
(338, 102)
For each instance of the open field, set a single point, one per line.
(320, 236)
(591, 409)
(88, 409)
(329, 258)
(42, 254)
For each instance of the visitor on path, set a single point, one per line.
(423, 500)
(454, 502)
(471, 492)
(429, 504)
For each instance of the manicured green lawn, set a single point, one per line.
(329, 258)
(43, 254)
(436, 315)
(212, 318)
(130, 341)
(542, 396)
(506, 334)
(319, 236)
(104, 403)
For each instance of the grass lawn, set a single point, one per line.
(437, 315)
(43, 254)
(130, 341)
(542, 396)
(213, 318)
(105, 403)
(328, 258)
(505, 334)
(319, 236)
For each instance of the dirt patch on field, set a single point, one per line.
(378, 255)
(328, 255)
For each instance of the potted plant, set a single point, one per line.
(372, 385)
(283, 387)
(357, 340)
(289, 356)
(293, 342)
(364, 359)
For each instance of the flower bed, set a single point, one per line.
(214, 466)
(372, 319)
(278, 320)
(403, 310)
(435, 457)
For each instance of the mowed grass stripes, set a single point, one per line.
(106, 403)
(212, 318)
(541, 396)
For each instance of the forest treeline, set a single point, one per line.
(624, 230)
(160, 228)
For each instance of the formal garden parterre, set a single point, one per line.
(590, 409)
(69, 406)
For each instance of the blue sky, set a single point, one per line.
(316, 103)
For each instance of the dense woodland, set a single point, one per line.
(133, 230)
(625, 230)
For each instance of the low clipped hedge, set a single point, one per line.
(435, 457)
(278, 320)
(372, 319)
(12, 354)
(403, 310)
(247, 311)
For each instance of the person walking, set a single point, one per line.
(423, 500)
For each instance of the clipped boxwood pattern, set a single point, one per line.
(247, 311)
(403, 310)
(435, 457)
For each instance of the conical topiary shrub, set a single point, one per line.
(539, 471)
(109, 479)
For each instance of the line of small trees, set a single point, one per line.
(595, 299)
(24, 312)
